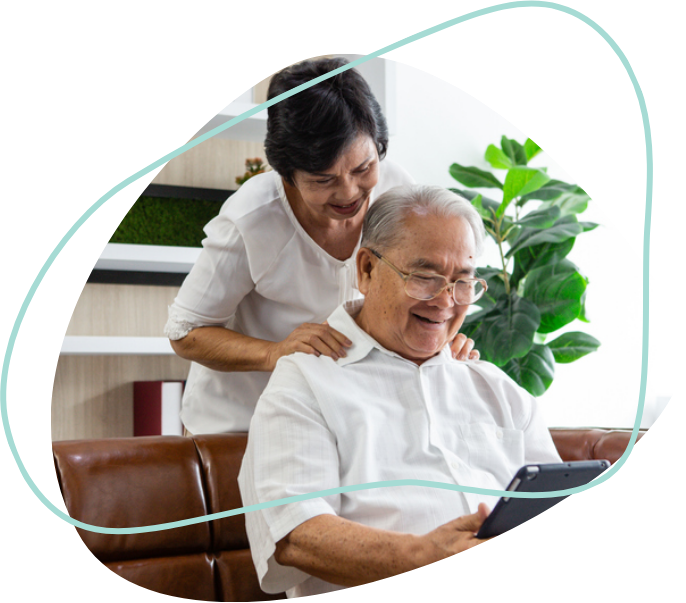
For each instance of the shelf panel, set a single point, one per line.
(74, 345)
(147, 258)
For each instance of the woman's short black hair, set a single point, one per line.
(309, 130)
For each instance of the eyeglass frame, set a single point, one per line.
(406, 276)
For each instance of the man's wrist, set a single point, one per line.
(418, 551)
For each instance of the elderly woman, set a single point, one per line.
(280, 256)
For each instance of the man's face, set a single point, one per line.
(414, 329)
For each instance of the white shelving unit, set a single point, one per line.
(147, 258)
(138, 258)
(116, 346)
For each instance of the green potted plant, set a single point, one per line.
(536, 290)
(252, 168)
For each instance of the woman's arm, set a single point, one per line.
(221, 349)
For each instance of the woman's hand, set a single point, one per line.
(314, 339)
(462, 348)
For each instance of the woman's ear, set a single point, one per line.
(364, 270)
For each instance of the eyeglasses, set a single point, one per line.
(423, 286)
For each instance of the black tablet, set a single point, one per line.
(510, 512)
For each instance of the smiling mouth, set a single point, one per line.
(345, 209)
(429, 321)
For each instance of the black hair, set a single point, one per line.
(310, 130)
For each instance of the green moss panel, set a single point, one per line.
(164, 221)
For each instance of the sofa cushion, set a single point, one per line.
(185, 576)
(221, 457)
(132, 482)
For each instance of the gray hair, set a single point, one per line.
(383, 224)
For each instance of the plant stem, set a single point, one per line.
(499, 239)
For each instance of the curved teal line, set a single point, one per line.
(427, 32)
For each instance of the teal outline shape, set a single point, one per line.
(427, 32)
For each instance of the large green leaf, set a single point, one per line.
(587, 226)
(514, 151)
(472, 195)
(531, 149)
(571, 346)
(474, 177)
(486, 208)
(572, 201)
(520, 181)
(565, 228)
(557, 290)
(541, 218)
(549, 191)
(528, 258)
(496, 286)
(504, 331)
(497, 158)
(486, 215)
(535, 371)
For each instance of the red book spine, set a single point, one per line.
(156, 407)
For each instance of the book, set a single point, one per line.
(156, 408)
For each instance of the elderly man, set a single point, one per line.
(397, 406)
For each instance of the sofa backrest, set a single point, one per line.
(127, 482)
(131, 482)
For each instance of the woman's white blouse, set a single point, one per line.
(259, 274)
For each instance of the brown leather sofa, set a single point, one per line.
(130, 482)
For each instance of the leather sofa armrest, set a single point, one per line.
(591, 444)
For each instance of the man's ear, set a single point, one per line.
(364, 270)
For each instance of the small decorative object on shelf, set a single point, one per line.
(253, 167)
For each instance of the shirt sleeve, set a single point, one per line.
(216, 284)
(291, 452)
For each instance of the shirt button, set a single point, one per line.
(499, 434)
(454, 465)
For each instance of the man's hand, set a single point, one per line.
(463, 348)
(455, 536)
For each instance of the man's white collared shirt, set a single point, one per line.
(374, 417)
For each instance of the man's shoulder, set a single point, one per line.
(301, 367)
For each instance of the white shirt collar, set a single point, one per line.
(343, 320)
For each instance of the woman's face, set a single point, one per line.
(342, 191)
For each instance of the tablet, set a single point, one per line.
(510, 512)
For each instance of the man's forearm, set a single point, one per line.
(347, 553)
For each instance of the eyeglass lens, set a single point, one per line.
(426, 287)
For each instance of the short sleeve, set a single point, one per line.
(291, 451)
(216, 284)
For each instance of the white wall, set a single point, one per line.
(438, 124)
